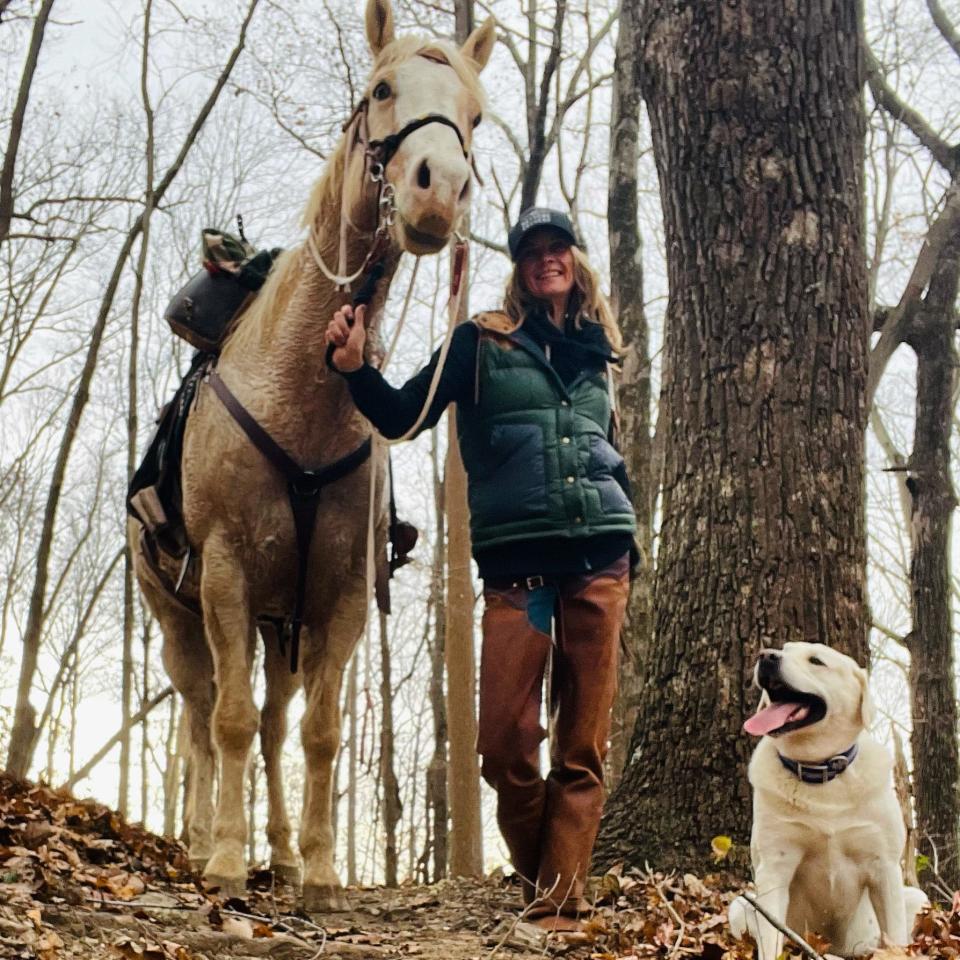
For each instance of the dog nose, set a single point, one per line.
(769, 664)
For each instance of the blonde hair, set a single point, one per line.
(517, 300)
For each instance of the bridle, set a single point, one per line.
(377, 156)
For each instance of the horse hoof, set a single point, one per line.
(288, 873)
(229, 886)
(324, 898)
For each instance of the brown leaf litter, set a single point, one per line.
(77, 881)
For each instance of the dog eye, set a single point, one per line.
(381, 91)
(817, 662)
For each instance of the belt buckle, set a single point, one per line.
(532, 583)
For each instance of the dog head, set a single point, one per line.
(814, 698)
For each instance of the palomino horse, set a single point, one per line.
(422, 101)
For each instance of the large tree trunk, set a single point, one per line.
(936, 771)
(626, 295)
(757, 127)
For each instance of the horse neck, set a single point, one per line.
(289, 340)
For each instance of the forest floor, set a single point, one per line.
(76, 881)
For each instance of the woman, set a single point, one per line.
(552, 529)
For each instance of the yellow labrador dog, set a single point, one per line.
(827, 829)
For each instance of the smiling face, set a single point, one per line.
(545, 262)
(815, 700)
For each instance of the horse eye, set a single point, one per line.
(381, 91)
(476, 120)
(817, 662)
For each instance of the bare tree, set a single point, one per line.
(22, 735)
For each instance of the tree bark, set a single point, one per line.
(936, 767)
(626, 296)
(758, 127)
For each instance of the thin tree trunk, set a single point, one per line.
(252, 813)
(176, 744)
(463, 784)
(392, 807)
(436, 786)
(626, 294)
(144, 726)
(16, 119)
(20, 752)
(936, 767)
(757, 122)
(352, 746)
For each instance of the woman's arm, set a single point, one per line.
(394, 410)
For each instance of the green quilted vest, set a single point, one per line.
(536, 452)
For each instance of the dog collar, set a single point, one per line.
(820, 772)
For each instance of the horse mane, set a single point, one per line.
(323, 204)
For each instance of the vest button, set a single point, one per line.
(564, 439)
(564, 403)
(578, 519)
(571, 479)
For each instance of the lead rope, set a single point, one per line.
(381, 443)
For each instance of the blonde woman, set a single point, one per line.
(552, 529)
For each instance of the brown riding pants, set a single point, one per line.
(550, 824)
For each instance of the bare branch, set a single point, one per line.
(946, 155)
(941, 230)
(946, 28)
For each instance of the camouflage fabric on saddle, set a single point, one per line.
(204, 310)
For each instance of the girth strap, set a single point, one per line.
(303, 491)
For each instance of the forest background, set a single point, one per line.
(112, 111)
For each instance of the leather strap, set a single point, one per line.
(303, 492)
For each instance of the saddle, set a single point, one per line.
(203, 312)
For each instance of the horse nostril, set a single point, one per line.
(464, 193)
(423, 176)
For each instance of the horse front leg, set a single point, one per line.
(230, 635)
(281, 685)
(320, 731)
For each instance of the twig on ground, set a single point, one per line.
(673, 913)
(805, 947)
(520, 917)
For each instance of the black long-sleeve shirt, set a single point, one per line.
(393, 410)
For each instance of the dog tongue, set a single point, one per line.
(774, 717)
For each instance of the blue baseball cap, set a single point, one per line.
(533, 218)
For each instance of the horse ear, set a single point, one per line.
(867, 710)
(480, 43)
(379, 19)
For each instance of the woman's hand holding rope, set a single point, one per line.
(347, 332)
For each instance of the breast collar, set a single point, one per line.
(821, 772)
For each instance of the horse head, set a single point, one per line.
(414, 128)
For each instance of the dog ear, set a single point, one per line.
(867, 710)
